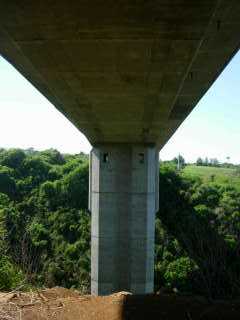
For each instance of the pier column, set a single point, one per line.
(123, 201)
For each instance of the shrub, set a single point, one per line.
(10, 276)
(178, 272)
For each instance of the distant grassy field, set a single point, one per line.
(226, 176)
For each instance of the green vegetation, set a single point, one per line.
(45, 225)
(201, 223)
(219, 175)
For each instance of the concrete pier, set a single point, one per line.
(123, 201)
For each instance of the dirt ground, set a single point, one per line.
(63, 304)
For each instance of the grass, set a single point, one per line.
(223, 176)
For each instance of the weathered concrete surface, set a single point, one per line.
(124, 184)
(122, 71)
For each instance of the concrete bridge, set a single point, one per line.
(126, 73)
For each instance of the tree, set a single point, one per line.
(199, 161)
(214, 162)
(53, 156)
(13, 158)
(179, 161)
(75, 186)
(36, 168)
(7, 182)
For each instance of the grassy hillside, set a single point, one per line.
(214, 174)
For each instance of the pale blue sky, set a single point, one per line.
(27, 120)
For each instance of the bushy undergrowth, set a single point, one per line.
(11, 276)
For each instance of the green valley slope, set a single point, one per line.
(219, 175)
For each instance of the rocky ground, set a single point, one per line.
(63, 304)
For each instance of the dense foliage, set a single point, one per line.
(45, 226)
(44, 223)
(200, 251)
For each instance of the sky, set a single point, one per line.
(29, 120)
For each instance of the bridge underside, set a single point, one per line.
(121, 70)
(126, 73)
